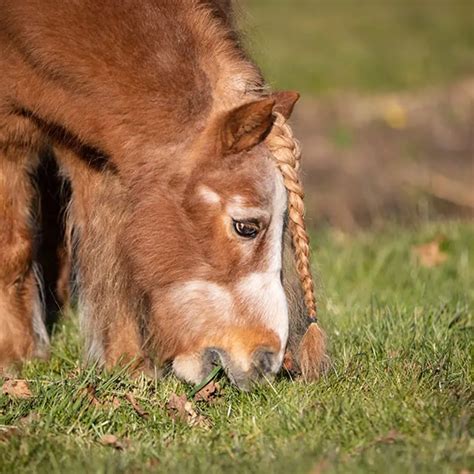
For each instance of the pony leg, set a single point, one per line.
(22, 330)
(110, 307)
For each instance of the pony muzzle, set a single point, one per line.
(243, 371)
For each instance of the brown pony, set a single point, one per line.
(177, 211)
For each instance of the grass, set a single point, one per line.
(398, 399)
(320, 46)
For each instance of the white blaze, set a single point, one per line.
(264, 290)
(261, 291)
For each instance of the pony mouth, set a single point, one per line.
(262, 368)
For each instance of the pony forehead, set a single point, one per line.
(238, 209)
(209, 195)
(251, 183)
(243, 204)
(258, 161)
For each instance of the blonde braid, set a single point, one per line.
(312, 357)
(287, 153)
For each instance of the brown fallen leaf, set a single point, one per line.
(320, 467)
(72, 374)
(114, 442)
(388, 438)
(6, 432)
(116, 402)
(208, 393)
(153, 463)
(89, 392)
(135, 405)
(430, 254)
(180, 408)
(24, 421)
(111, 401)
(16, 388)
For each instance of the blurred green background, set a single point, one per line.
(320, 46)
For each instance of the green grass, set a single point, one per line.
(319, 46)
(397, 400)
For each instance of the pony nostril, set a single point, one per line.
(214, 357)
(263, 360)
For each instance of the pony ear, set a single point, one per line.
(285, 102)
(247, 125)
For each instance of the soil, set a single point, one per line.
(400, 156)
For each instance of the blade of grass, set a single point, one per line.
(213, 374)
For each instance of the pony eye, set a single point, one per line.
(248, 230)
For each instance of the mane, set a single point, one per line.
(234, 78)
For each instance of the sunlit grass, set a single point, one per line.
(397, 399)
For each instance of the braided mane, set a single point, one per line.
(312, 356)
(287, 154)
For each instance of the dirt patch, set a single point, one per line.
(401, 156)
